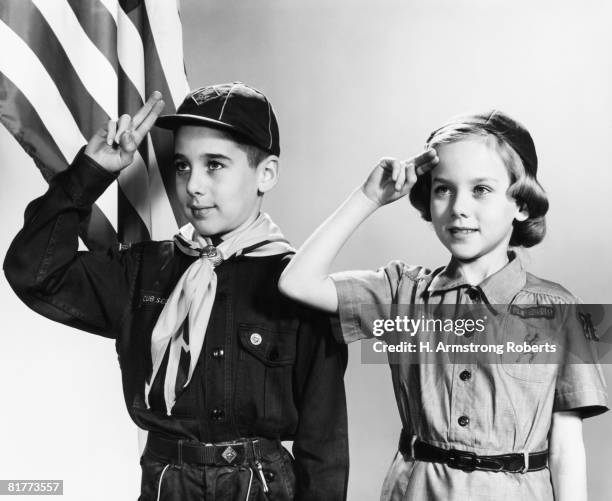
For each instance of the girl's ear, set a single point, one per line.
(523, 213)
(267, 174)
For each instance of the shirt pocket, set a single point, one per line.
(264, 384)
(529, 353)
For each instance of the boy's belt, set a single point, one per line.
(220, 454)
(468, 461)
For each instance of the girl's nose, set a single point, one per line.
(460, 205)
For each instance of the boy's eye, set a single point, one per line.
(213, 165)
(180, 166)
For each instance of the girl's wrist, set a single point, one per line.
(366, 199)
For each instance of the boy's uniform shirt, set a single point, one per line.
(484, 408)
(268, 367)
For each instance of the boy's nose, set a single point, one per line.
(196, 184)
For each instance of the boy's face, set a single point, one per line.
(216, 187)
(470, 209)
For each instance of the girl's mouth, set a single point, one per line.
(458, 231)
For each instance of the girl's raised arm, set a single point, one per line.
(306, 278)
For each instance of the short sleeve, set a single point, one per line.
(580, 382)
(364, 295)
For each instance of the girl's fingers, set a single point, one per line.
(411, 175)
(426, 167)
(401, 178)
(123, 124)
(111, 131)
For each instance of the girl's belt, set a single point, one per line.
(468, 461)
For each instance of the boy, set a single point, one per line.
(216, 365)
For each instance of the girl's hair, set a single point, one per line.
(498, 131)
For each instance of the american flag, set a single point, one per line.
(66, 67)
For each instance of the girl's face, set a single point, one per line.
(470, 209)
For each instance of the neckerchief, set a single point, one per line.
(182, 324)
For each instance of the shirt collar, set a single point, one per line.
(499, 288)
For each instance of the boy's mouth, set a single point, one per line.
(200, 211)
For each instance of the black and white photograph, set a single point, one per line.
(328, 250)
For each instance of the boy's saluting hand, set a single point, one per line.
(113, 145)
(392, 179)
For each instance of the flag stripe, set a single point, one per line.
(165, 29)
(93, 68)
(131, 53)
(99, 25)
(23, 122)
(130, 226)
(26, 72)
(27, 22)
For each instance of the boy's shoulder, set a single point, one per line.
(547, 289)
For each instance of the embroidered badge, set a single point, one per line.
(587, 326)
(202, 95)
(229, 454)
(533, 311)
(152, 299)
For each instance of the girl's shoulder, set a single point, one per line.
(542, 291)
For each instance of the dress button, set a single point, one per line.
(218, 353)
(463, 421)
(217, 414)
(255, 338)
(465, 375)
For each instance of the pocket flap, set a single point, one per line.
(272, 347)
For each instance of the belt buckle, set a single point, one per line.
(462, 460)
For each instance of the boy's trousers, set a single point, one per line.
(169, 480)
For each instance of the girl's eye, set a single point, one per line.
(441, 190)
(481, 190)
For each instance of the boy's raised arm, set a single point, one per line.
(307, 278)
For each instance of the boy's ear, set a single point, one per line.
(267, 174)
(523, 213)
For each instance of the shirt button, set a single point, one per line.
(218, 353)
(217, 414)
(465, 375)
(255, 339)
(463, 421)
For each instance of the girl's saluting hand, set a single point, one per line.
(392, 179)
(113, 145)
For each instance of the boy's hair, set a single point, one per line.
(524, 186)
(255, 154)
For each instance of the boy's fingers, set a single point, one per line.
(111, 131)
(123, 124)
(145, 125)
(143, 112)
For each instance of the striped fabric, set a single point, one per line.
(66, 66)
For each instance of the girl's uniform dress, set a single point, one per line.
(483, 408)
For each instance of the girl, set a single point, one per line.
(478, 431)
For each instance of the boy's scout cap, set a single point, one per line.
(498, 123)
(234, 107)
